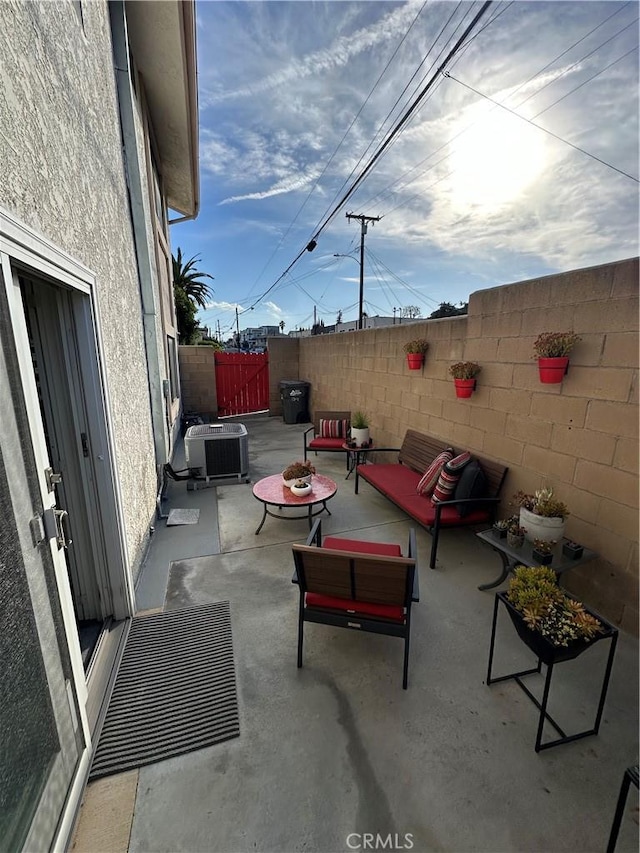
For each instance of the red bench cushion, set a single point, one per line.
(392, 479)
(358, 608)
(424, 511)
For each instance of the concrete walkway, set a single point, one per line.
(336, 752)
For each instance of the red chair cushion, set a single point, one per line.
(384, 549)
(358, 608)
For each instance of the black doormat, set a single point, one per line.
(175, 690)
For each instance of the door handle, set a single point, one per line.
(55, 522)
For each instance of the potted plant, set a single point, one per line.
(515, 533)
(541, 514)
(415, 351)
(464, 377)
(554, 625)
(572, 550)
(360, 429)
(298, 471)
(501, 527)
(301, 488)
(543, 550)
(552, 351)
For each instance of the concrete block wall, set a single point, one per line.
(581, 436)
(198, 381)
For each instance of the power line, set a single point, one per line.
(382, 148)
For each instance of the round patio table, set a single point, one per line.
(272, 492)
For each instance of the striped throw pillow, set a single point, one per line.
(449, 476)
(430, 477)
(333, 428)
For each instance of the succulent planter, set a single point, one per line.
(500, 532)
(415, 360)
(552, 370)
(514, 541)
(572, 550)
(539, 645)
(464, 387)
(300, 489)
(542, 557)
(541, 526)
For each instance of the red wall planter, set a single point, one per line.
(552, 370)
(464, 387)
(415, 360)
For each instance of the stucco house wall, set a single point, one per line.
(581, 437)
(76, 195)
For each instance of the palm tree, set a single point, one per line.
(187, 278)
(282, 325)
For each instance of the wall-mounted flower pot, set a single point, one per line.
(415, 360)
(464, 387)
(552, 370)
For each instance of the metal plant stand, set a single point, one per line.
(610, 632)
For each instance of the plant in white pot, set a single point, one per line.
(541, 515)
(360, 428)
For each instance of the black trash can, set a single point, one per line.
(294, 395)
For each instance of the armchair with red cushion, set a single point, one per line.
(361, 585)
(330, 430)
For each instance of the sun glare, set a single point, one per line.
(495, 160)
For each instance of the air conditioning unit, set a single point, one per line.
(217, 451)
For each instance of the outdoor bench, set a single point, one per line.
(398, 481)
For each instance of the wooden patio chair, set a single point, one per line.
(364, 586)
(329, 432)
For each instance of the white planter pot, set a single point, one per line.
(301, 490)
(540, 527)
(360, 436)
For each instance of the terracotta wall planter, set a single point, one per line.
(552, 370)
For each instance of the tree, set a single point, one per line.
(282, 325)
(412, 312)
(189, 292)
(339, 318)
(446, 309)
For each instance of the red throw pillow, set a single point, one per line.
(333, 428)
(430, 477)
(449, 476)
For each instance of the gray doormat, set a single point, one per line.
(175, 690)
(183, 516)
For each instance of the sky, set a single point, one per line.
(522, 163)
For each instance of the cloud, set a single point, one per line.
(287, 185)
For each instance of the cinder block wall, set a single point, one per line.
(581, 437)
(198, 381)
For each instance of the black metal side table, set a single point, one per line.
(630, 775)
(523, 556)
(550, 656)
(356, 456)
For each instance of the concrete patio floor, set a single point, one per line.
(337, 749)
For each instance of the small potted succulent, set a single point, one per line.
(298, 471)
(552, 351)
(464, 377)
(543, 550)
(415, 351)
(501, 527)
(572, 550)
(515, 533)
(541, 514)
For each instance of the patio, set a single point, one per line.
(337, 749)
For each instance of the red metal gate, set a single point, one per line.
(242, 382)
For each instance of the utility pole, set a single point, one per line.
(363, 230)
